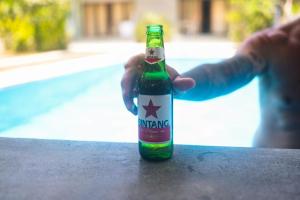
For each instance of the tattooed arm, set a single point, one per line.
(213, 80)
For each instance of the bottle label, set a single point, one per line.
(155, 118)
(154, 55)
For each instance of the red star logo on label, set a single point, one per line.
(153, 55)
(151, 109)
(151, 51)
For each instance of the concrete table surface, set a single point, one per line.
(48, 169)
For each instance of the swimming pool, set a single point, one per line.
(88, 106)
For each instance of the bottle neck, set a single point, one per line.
(155, 67)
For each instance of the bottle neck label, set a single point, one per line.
(155, 118)
(154, 55)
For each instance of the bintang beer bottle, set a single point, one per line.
(155, 101)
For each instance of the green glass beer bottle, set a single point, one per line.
(155, 101)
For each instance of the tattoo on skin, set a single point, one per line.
(213, 80)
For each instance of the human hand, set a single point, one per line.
(134, 69)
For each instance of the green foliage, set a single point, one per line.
(15, 26)
(33, 25)
(246, 17)
(151, 18)
(49, 24)
(296, 7)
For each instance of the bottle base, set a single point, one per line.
(156, 152)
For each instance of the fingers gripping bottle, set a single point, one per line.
(155, 101)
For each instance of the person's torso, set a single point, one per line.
(280, 92)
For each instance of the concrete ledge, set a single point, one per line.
(45, 169)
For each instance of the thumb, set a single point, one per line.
(182, 84)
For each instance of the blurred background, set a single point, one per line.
(61, 62)
(42, 25)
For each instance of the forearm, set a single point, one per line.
(213, 80)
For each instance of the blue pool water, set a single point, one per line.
(88, 106)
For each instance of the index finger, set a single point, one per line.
(133, 69)
(172, 72)
(128, 85)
